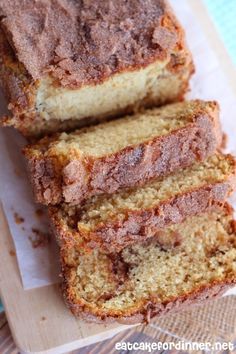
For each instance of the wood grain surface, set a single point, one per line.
(38, 318)
(213, 322)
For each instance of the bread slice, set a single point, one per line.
(88, 61)
(122, 153)
(188, 263)
(133, 215)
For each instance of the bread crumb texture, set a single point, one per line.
(105, 208)
(111, 137)
(119, 284)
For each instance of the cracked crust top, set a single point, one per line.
(86, 41)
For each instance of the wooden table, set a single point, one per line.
(213, 322)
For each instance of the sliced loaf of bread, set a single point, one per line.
(123, 153)
(189, 262)
(114, 221)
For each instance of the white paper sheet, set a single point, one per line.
(38, 266)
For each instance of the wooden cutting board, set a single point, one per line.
(38, 318)
(39, 321)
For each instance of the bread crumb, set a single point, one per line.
(17, 172)
(42, 319)
(12, 253)
(39, 238)
(224, 141)
(39, 213)
(18, 219)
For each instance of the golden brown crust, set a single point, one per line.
(17, 85)
(86, 42)
(78, 178)
(21, 89)
(150, 309)
(114, 235)
(149, 306)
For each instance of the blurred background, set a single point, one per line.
(223, 14)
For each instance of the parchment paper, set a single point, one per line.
(39, 266)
